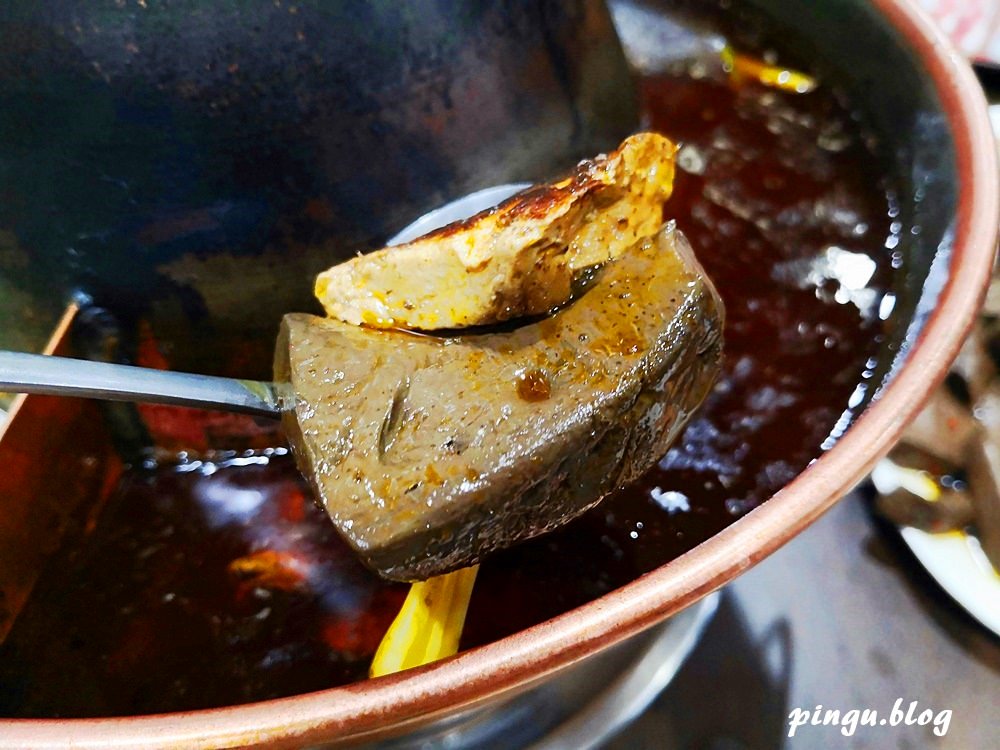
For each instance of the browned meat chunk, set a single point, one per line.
(520, 258)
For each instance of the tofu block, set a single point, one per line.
(519, 259)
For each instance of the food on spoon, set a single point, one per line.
(430, 452)
(519, 267)
(518, 259)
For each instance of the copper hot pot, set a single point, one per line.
(920, 97)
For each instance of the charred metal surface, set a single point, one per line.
(195, 165)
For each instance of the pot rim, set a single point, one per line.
(367, 709)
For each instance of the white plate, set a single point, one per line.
(957, 562)
(954, 559)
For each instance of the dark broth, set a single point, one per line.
(213, 584)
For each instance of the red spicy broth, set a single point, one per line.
(778, 194)
(209, 584)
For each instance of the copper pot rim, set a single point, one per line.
(367, 708)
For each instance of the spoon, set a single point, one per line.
(65, 376)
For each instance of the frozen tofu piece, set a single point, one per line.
(430, 452)
(520, 258)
